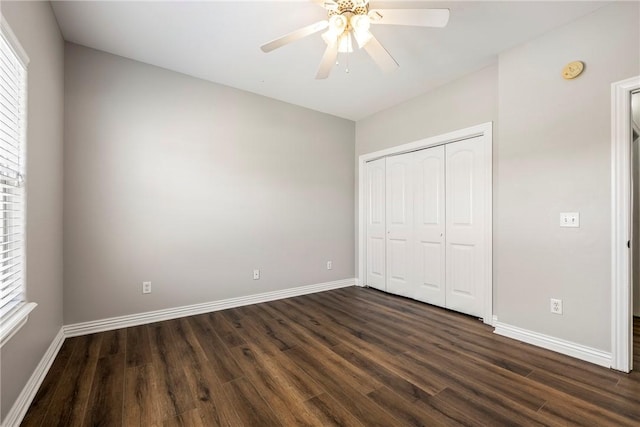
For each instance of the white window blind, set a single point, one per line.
(13, 86)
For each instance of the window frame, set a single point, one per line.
(16, 318)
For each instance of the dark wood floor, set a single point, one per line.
(349, 357)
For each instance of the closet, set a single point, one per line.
(425, 225)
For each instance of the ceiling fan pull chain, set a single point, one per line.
(346, 70)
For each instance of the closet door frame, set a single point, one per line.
(484, 135)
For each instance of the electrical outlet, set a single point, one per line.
(146, 287)
(329, 265)
(570, 219)
(256, 274)
(556, 306)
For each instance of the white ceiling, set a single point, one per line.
(219, 41)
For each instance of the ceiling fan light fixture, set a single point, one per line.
(345, 44)
(360, 22)
(337, 24)
(361, 25)
(329, 37)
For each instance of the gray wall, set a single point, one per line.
(551, 154)
(192, 185)
(555, 156)
(466, 102)
(36, 28)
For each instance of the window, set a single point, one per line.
(13, 91)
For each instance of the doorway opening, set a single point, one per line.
(635, 226)
(622, 224)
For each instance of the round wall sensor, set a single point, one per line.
(572, 70)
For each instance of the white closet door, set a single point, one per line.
(465, 204)
(400, 224)
(376, 234)
(429, 225)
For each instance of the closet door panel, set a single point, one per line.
(375, 206)
(399, 224)
(465, 208)
(429, 225)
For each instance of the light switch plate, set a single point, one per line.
(570, 219)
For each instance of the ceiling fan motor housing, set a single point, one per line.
(355, 7)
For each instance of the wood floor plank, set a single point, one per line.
(297, 335)
(251, 331)
(466, 411)
(275, 390)
(249, 407)
(342, 389)
(311, 324)
(407, 412)
(410, 391)
(330, 413)
(68, 405)
(186, 342)
(470, 330)
(190, 418)
(140, 398)
(138, 346)
(604, 398)
(521, 391)
(171, 387)
(518, 389)
(273, 329)
(575, 412)
(218, 355)
(428, 380)
(349, 357)
(38, 409)
(224, 330)
(297, 383)
(105, 401)
(113, 342)
(359, 327)
(516, 360)
(207, 391)
(332, 363)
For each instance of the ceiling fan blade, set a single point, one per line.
(295, 35)
(380, 56)
(415, 17)
(328, 61)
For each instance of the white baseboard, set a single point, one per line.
(19, 409)
(558, 345)
(94, 326)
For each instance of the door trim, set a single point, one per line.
(621, 301)
(485, 132)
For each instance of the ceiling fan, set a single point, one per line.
(351, 19)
